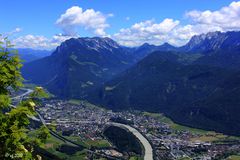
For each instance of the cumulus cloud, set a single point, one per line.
(183, 33)
(158, 33)
(8, 34)
(39, 42)
(89, 19)
(147, 31)
(31, 41)
(227, 18)
(172, 31)
(150, 31)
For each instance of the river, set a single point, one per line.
(148, 154)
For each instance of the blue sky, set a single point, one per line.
(130, 22)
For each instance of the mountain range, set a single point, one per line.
(79, 65)
(213, 42)
(28, 54)
(196, 84)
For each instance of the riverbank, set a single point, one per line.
(148, 150)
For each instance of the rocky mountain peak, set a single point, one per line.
(213, 41)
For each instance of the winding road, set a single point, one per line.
(28, 91)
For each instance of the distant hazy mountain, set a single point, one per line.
(79, 65)
(145, 49)
(28, 55)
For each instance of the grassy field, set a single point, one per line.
(234, 157)
(78, 140)
(98, 143)
(75, 101)
(174, 125)
(53, 143)
(85, 103)
(184, 158)
(206, 136)
(136, 158)
(89, 143)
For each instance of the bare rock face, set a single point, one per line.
(213, 41)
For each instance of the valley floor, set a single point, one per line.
(84, 123)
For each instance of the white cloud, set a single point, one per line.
(12, 32)
(147, 31)
(227, 18)
(1, 38)
(182, 34)
(59, 38)
(169, 30)
(9, 34)
(90, 19)
(39, 42)
(31, 41)
(224, 19)
(18, 29)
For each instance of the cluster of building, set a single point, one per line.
(168, 143)
(79, 120)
